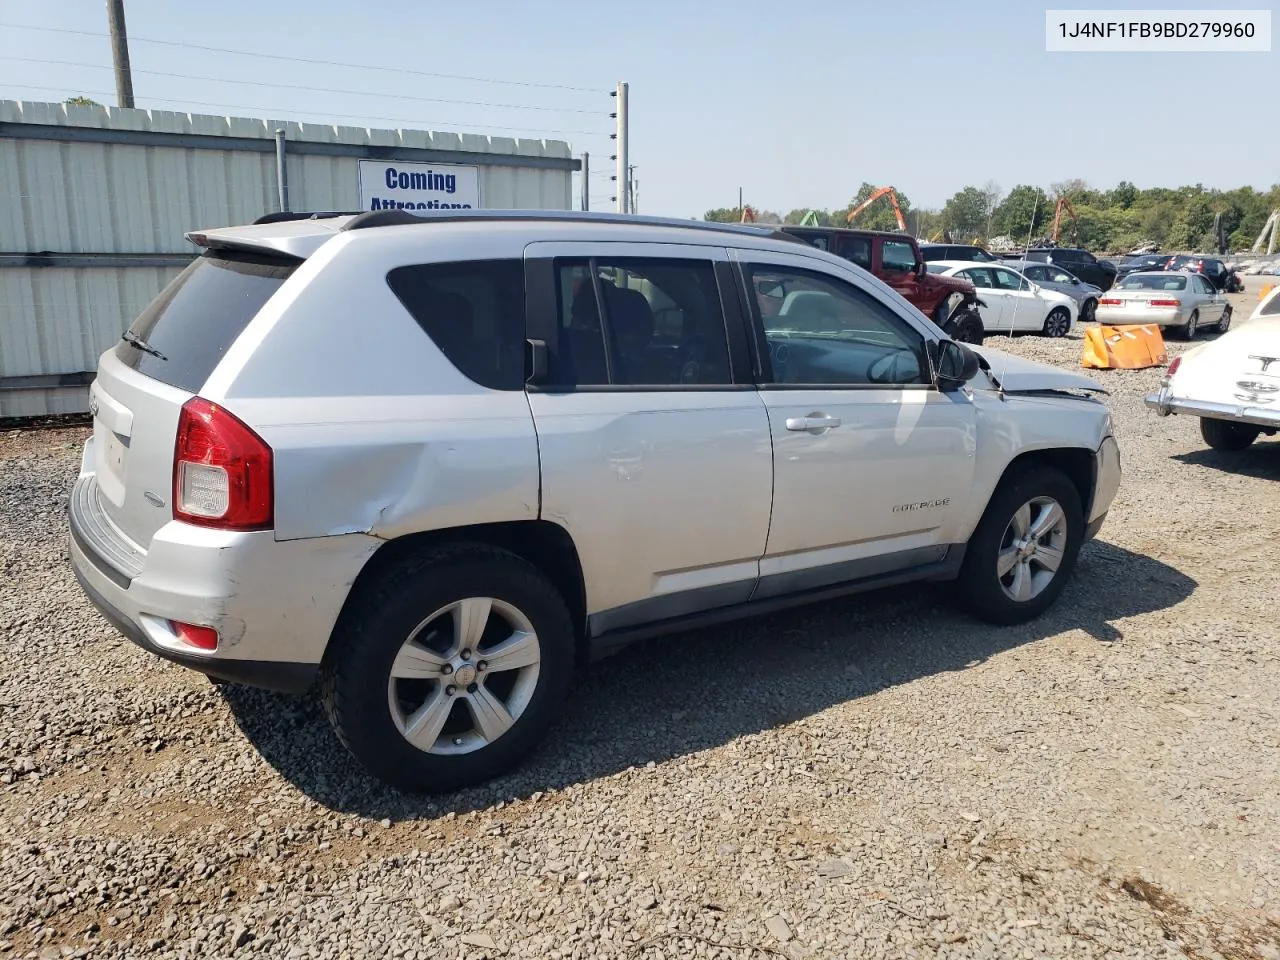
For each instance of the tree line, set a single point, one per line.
(1107, 221)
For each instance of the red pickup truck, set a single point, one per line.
(895, 258)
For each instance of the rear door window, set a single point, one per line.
(474, 312)
(185, 331)
(662, 324)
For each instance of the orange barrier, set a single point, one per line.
(1123, 348)
(1266, 288)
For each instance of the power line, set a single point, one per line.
(294, 86)
(322, 63)
(280, 112)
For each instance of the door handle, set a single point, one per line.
(812, 422)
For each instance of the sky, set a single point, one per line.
(796, 103)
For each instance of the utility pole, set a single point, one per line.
(120, 52)
(586, 180)
(739, 200)
(632, 187)
(624, 186)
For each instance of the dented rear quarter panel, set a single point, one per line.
(373, 430)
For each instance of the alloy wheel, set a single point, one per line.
(1032, 549)
(464, 676)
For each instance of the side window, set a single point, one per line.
(1202, 285)
(639, 322)
(857, 249)
(1036, 273)
(474, 312)
(1056, 275)
(828, 332)
(819, 242)
(898, 257)
(1271, 308)
(980, 277)
(1007, 280)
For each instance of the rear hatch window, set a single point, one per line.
(183, 334)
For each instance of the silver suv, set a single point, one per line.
(431, 463)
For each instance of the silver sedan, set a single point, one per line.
(1183, 301)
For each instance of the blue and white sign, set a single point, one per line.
(397, 185)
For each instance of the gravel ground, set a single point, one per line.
(877, 777)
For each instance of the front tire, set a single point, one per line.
(1057, 323)
(1227, 435)
(1024, 549)
(966, 327)
(449, 669)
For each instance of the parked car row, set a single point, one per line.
(1215, 270)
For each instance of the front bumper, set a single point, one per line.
(273, 603)
(1164, 403)
(1106, 484)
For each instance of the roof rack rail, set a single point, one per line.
(401, 218)
(282, 216)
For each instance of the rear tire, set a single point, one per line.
(1188, 331)
(1025, 547)
(1224, 323)
(1089, 312)
(1227, 435)
(384, 678)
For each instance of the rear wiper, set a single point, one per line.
(136, 341)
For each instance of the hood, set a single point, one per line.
(1017, 375)
(954, 284)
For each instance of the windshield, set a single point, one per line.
(1153, 282)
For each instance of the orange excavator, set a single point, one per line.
(876, 195)
(1065, 204)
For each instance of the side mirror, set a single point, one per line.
(921, 269)
(956, 365)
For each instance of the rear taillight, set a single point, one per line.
(202, 638)
(1109, 302)
(1162, 303)
(1173, 367)
(222, 470)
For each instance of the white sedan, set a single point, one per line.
(1010, 301)
(1231, 383)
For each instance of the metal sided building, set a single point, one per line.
(94, 202)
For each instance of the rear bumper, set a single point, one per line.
(1119, 317)
(273, 603)
(1164, 404)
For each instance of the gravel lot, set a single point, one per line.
(877, 777)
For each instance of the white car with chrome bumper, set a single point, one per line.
(1232, 384)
